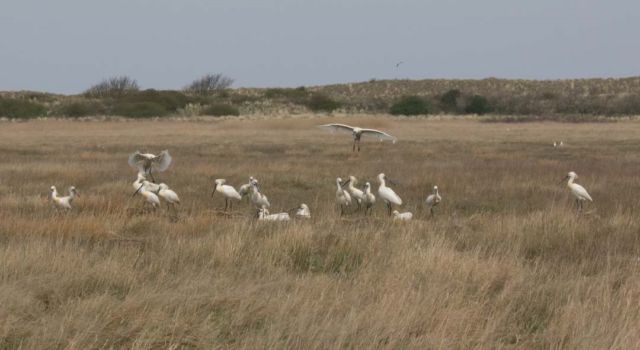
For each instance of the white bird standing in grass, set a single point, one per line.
(149, 196)
(387, 194)
(579, 193)
(168, 195)
(147, 163)
(369, 199)
(263, 215)
(303, 212)
(342, 196)
(245, 189)
(433, 199)
(258, 199)
(228, 192)
(357, 133)
(64, 202)
(355, 193)
(406, 216)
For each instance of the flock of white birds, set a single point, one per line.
(347, 194)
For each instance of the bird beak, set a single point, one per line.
(345, 183)
(138, 190)
(214, 190)
(561, 181)
(391, 181)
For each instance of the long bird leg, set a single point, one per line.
(431, 210)
(354, 145)
(226, 204)
(389, 207)
(358, 145)
(231, 205)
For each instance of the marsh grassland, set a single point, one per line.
(506, 262)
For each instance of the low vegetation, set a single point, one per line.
(522, 100)
(505, 263)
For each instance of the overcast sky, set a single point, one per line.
(67, 45)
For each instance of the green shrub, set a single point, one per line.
(478, 105)
(322, 103)
(209, 84)
(297, 95)
(169, 100)
(410, 105)
(80, 109)
(220, 109)
(138, 109)
(449, 100)
(19, 108)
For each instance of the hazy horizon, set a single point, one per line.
(68, 45)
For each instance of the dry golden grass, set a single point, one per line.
(506, 263)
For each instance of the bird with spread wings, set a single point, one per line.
(358, 132)
(147, 163)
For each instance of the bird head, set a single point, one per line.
(353, 179)
(53, 189)
(395, 213)
(74, 191)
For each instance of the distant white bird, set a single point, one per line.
(64, 202)
(258, 199)
(147, 163)
(555, 144)
(561, 144)
(149, 196)
(303, 212)
(387, 194)
(228, 192)
(579, 193)
(168, 195)
(355, 193)
(406, 216)
(357, 133)
(245, 189)
(263, 215)
(433, 199)
(369, 199)
(342, 196)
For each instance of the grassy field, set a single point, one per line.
(506, 262)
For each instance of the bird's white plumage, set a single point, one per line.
(386, 193)
(246, 188)
(342, 196)
(63, 201)
(147, 162)
(168, 194)
(263, 215)
(434, 198)
(406, 216)
(369, 198)
(303, 212)
(357, 131)
(355, 193)
(226, 190)
(579, 192)
(258, 199)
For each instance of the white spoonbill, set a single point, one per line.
(580, 193)
(148, 162)
(245, 189)
(263, 215)
(355, 193)
(168, 195)
(406, 216)
(149, 196)
(228, 192)
(357, 133)
(64, 202)
(303, 212)
(369, 199)
(342, 196)
(387, 194)
(433, 199)
(258, 199)
(149, 186)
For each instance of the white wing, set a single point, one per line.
(136, 160)
(337, 127)
(162, 161)
(379, 134)
(387, 194)
(581, 192)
